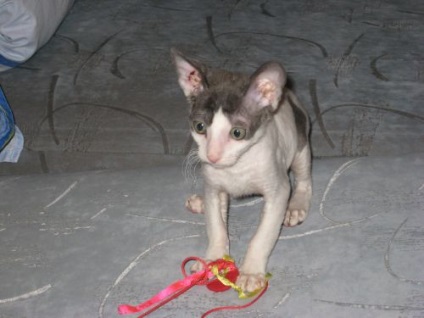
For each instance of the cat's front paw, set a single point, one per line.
(294, 217)
(195, 204)
(198, 266)
(251, 282)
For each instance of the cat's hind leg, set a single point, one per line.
(195, 204)
(300, 200)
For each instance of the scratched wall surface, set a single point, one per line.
(93, 214)
(103, 93)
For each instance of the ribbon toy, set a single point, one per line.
(218, 276)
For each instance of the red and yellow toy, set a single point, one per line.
(218, 276)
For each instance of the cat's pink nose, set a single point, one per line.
(213, 158)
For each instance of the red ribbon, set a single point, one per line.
(203, 277)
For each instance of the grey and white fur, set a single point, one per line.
(250, 132)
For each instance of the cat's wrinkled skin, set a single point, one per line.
(250, 131)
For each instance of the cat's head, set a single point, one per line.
(228, 111)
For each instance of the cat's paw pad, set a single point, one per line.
(294, 217)
(251, 282)
(195, 204)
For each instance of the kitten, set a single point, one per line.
(250, 130)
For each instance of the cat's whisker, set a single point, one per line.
(190, 165)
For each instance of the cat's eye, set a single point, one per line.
(238, 133)
(199, 127)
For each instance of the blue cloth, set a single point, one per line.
(7, 122)
(6, 62)
(11, 139)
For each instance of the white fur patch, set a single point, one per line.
(218, 137)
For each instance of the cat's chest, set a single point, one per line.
(240, 180)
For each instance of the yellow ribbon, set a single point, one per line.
(221, 276)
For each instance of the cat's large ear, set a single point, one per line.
(190, 76)
(266, 86)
